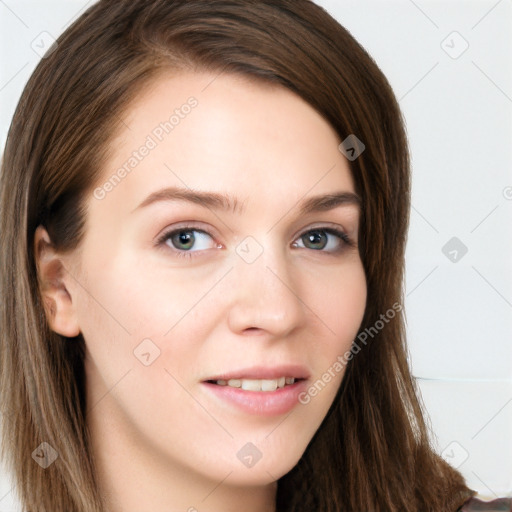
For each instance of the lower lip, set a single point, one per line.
(261, 403)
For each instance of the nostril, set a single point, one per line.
(252, 329)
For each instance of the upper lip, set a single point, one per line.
(264, 372)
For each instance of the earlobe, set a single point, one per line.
(53, 285)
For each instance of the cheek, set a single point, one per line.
(341, 306)
(141, 329)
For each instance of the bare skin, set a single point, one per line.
(162, 441)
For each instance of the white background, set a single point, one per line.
(450, 65)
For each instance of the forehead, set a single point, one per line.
(254, 141)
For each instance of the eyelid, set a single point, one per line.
(186, 226)
(324, 226)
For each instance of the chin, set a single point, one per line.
(272, 465)
(250, 466)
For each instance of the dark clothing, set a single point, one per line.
(476, 505)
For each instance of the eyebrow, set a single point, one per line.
(221, 201)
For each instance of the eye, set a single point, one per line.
(324, 239)
(182, 240)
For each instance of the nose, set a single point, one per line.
(265, 296)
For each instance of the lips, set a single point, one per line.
(296, 372)
(268, 392)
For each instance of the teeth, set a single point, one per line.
(269, 385)
(251, 385)
(257, 384)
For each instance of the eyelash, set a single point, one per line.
(162, 240)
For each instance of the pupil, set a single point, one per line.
(185, 237)
(316, 237)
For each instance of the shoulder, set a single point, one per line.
(476, 505)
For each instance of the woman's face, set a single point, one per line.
(251, 284)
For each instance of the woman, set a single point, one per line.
(211, 209)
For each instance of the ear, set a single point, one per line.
(52, 279)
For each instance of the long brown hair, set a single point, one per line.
(372, 452)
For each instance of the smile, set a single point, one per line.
(256, 384)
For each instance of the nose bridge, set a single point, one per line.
(264, 294)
